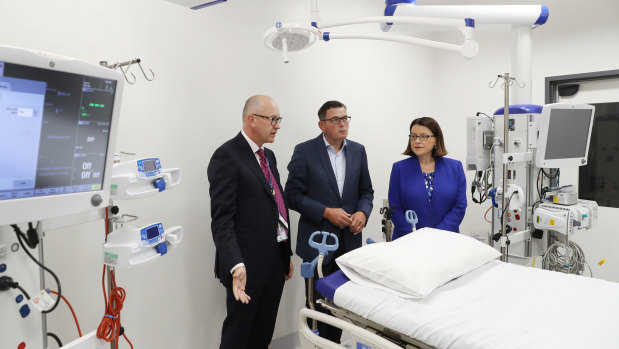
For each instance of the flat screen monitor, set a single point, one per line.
(564, 135)
(58, 120)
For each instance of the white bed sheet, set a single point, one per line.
(499, 305)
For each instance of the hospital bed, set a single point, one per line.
(497, 305)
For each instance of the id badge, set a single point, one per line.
(283, 222)
(281, 233)
(282, 227)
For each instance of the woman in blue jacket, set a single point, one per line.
(427, 182)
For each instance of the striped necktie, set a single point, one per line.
(277, 194)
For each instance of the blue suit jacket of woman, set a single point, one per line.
(407, 191)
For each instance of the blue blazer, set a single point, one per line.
(311, 187)
(407, 191)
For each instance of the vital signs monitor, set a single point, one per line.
(58, 119)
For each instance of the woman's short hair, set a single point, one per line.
(432, 125)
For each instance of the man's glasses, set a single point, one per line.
(336, 120)
(422, 137)
(274, 119)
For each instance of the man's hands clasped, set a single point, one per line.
(341, 218)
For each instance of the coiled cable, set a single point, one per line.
(565, 258)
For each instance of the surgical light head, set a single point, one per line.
(287, 37)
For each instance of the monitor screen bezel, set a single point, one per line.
(40, 208)
(544, 122)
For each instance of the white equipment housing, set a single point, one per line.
(136, 179)
(565, 219)
(132, 247)
(59, 118)
(487, 17)
(480, 137)
(87, 341)
(564, 135)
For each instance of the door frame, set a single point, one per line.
(552, 82)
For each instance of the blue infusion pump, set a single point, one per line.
(152, 235)
(149, 168)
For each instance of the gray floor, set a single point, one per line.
(291, 341)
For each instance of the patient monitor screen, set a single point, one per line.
(54, 130)
(568, 133)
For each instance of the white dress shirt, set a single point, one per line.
(338, 163)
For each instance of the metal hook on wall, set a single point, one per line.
(124, 68)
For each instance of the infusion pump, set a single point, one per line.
(130, 247)
(136, 179)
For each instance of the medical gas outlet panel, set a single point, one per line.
(20, 321)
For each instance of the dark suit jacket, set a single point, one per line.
(312, 187)
(407, 191)
(244, 213)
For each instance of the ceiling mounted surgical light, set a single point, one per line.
(286, 37)
(290, 37)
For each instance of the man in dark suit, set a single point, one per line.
(329, 185)
(250, 228)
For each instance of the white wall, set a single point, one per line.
(207, 63)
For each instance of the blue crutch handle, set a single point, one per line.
(411, 217)
(307, 268)
(322, 246)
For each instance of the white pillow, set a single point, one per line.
(419, 262)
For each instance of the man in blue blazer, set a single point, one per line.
(250, 228)
(329, 185)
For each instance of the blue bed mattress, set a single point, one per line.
(328, 284)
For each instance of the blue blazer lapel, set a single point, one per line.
(326, 163)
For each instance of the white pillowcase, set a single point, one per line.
(419, 262)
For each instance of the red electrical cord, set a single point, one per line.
(110, 327)
(485, 214)
(79, 331)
